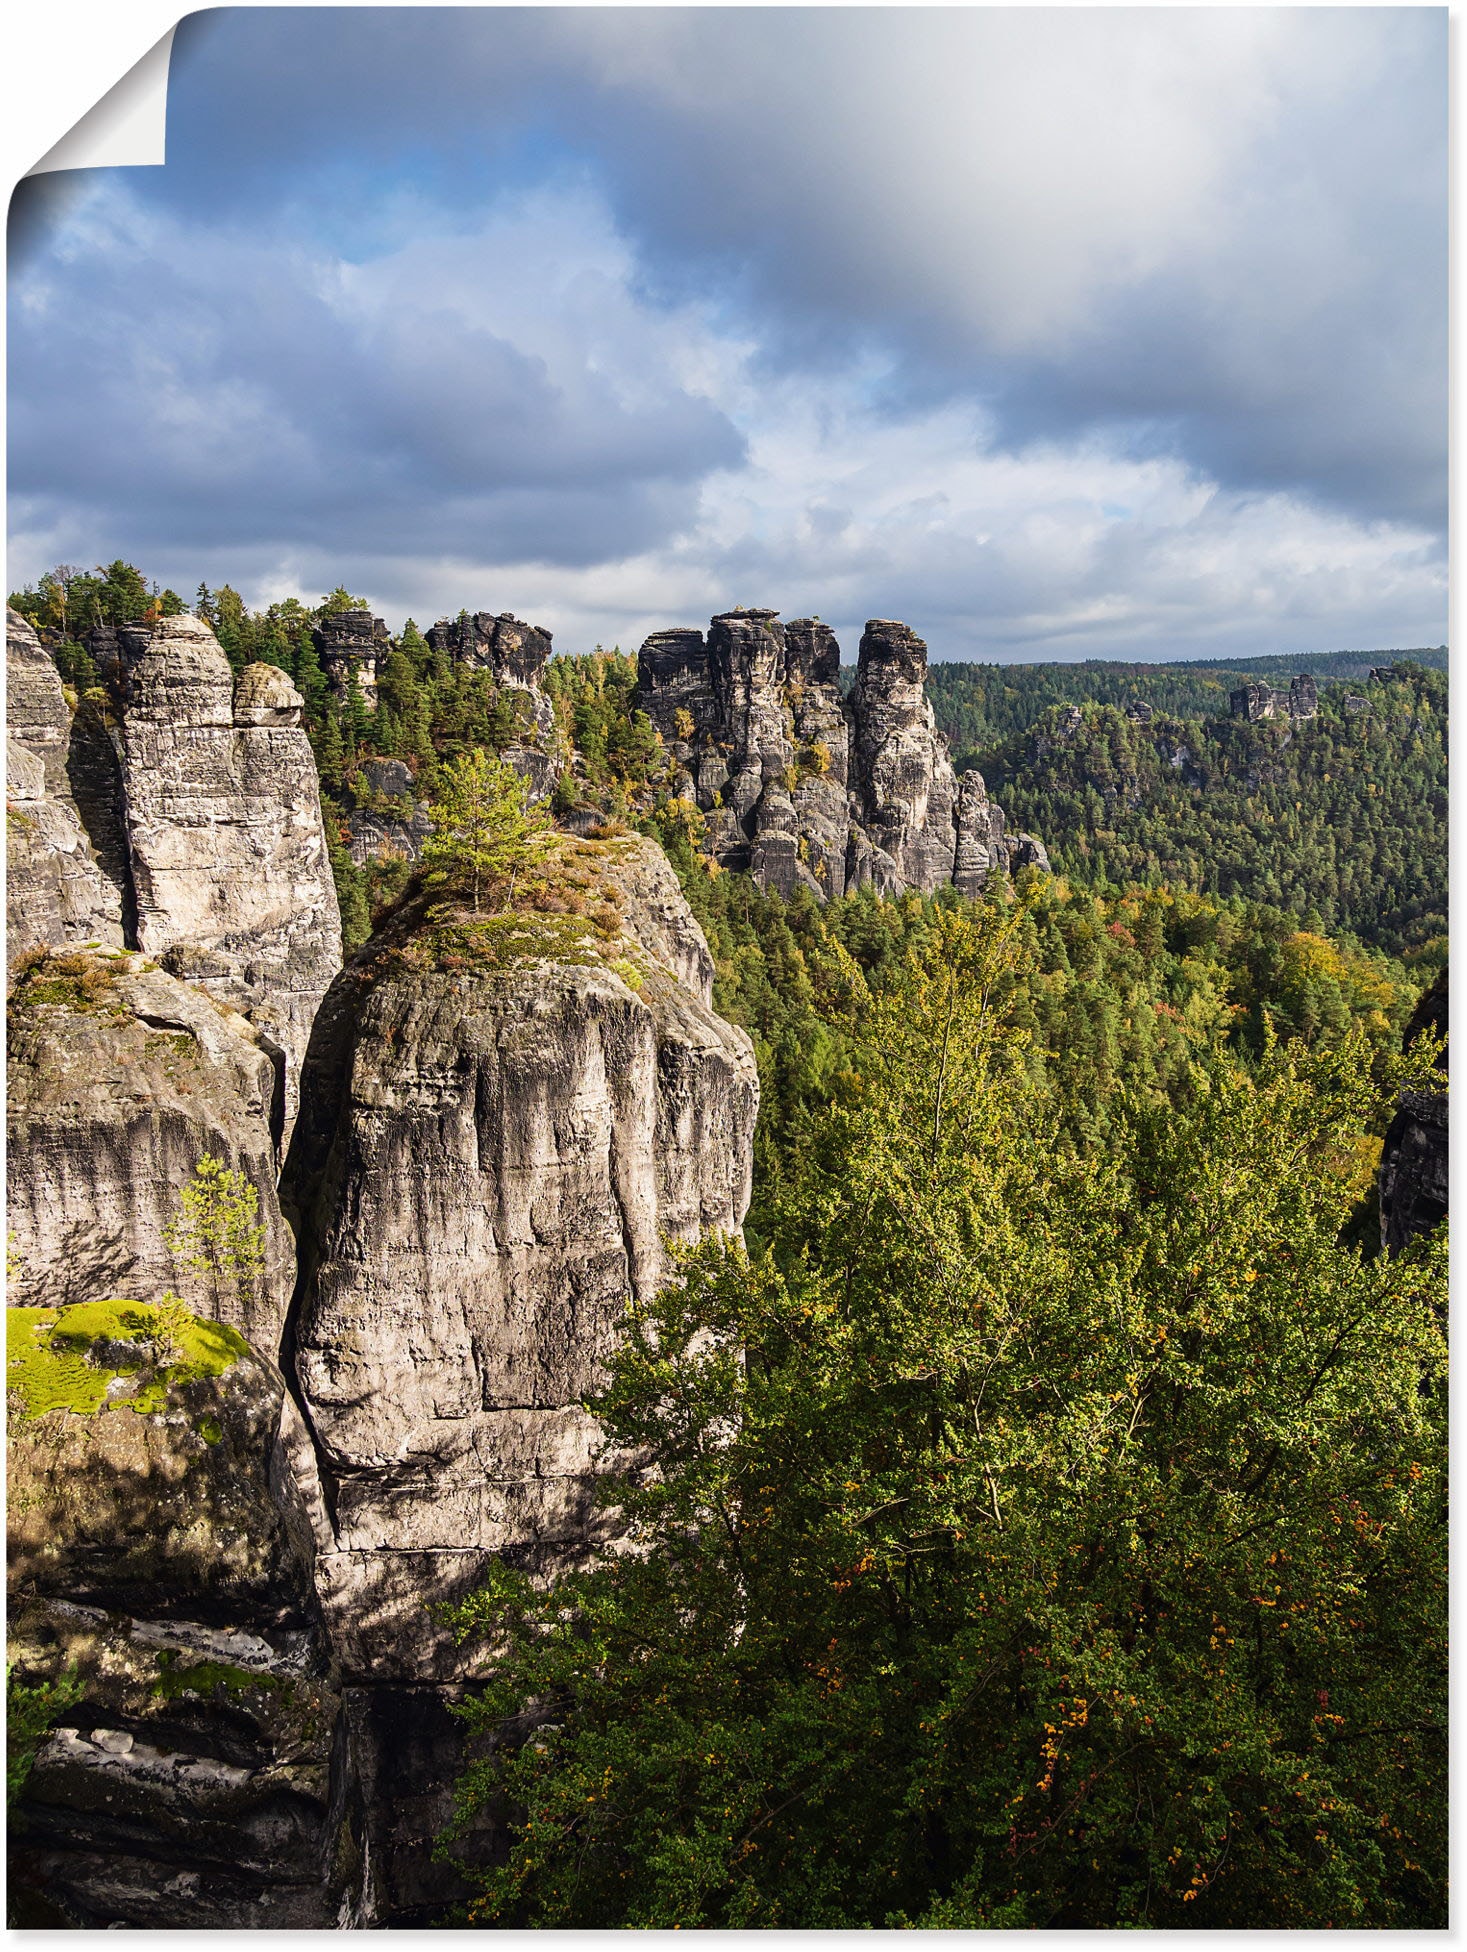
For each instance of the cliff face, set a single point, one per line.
(57, 889)
(120, 1080)
(1414, 1156)
(160, 1549)
(490, 1156)
(222, 807)
(483, 1169)
(803, 788)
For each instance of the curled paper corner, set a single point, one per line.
(127, 126)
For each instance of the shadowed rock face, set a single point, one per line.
(57, 889)
(485, 1168)
(203, 1779)
(113, 1099)
(516, 653)
(223, 815)
(801, 787)
(349, 643)
(1414, 1156)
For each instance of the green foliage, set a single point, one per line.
(1125, 988)
(30, 1715)
(72, 1358)
(204, 1678)
(218, 1233)
(67, 979)
(980, 706)
(1340, 820)
(483, 829)
(1032, 1534)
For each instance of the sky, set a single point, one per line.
(1056, 333)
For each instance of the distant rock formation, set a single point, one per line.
(516, 653)
(554, 1121)
(1414, 1155)
(801, 787)
(349, 644)
(1260, 701)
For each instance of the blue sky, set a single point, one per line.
(1056, 333)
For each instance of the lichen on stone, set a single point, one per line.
(104, 1355)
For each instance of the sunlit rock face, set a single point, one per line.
(120, 1079)
(487, 1165)
(58, 889)
(802, 787)
(231, 882)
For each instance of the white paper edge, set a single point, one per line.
(127, 127)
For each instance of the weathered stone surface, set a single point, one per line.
(57, 891)
(228, 853)
(204, 1778)
(1414, 1156)
(349, 643)
(802, 788)
(1259, 700)
(516, 653)
(485, 1167)
(905, 788)
(115, 1093)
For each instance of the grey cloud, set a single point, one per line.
(1222, 229)
(182, 386)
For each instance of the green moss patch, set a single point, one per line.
(203, 1677)
(67, 1358)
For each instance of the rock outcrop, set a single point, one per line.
(160, 1550)
(349, 644)
(57, 889)
(121, 1079)
(486, 1165)
(806, 789)
(516, 653)
(1259, 700)
(230, 876)
(1414, 1155)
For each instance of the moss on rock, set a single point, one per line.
(118, 1354)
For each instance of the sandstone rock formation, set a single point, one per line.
(390, 819)
(485, 1166)
(231, 880)
(1258, 701)
(57, 890)
(516, 653)
(349, 643)
(120, 1079)
(805, 789)
(164, 1554)
(1414, 1155)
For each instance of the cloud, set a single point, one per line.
(209, 388)
(1219, 230)
(1063, 333)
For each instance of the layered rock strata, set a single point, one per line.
(486, 1166)
(120, 1080)
(221, 799)
(516, 654)
(204, 1779)
(804, 788)
(57, 888)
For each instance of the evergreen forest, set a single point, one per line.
(1038, 1518)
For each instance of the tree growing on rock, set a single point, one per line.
(483, 826)
(218, 1233)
